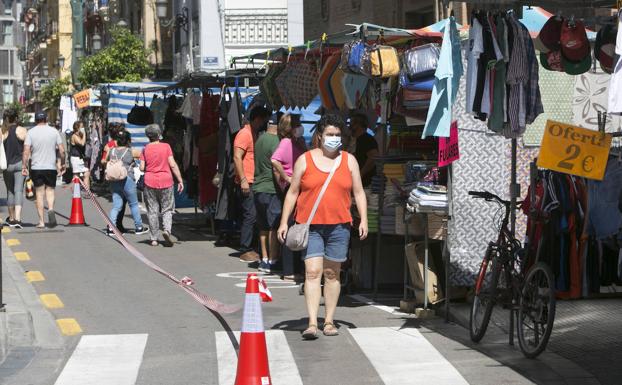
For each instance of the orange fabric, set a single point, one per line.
(335, 205)
(246, 141)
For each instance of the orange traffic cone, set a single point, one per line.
(77, 213)
(253, 366)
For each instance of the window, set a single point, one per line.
(6, 33)
(6, 63)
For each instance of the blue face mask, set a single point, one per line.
(332, 143)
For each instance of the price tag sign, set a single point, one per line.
(82, 98)
(448, 148)
(574, 150)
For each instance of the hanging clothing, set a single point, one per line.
(230, 123)
(446, 84)
(208, 147)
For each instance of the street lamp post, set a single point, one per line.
(78, 37)
(181, 21)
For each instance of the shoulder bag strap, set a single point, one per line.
(319, 197)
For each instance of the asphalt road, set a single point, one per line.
(171, 339)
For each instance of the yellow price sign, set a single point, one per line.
(82, 98)
(574, 150)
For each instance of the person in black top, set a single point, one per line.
(365, 147)
(78, 152)
(13, 137)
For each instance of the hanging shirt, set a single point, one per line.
(476, 48)
(446, 83)
(615, 87)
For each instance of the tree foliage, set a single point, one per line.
(51, 93)
(125, 60)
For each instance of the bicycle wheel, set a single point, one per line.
(536, 312)
(485, 295)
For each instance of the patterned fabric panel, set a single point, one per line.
(481, 167)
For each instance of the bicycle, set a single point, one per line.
(506, 278)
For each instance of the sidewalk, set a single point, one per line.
(29, 338)
(585, 346)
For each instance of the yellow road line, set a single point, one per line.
(34, 276)
(51, 301)
(68, 326)
(13, 242)
(6, 230)
(22, 256)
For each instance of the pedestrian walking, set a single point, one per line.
(40, 147)
(291, 147)
(78, 153)
(244, 160)
(113, 130)
(159, 166)
(329, 233)
(124, 188)
(267, 203)
(13, 137)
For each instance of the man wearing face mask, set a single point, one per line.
(244, 160)
(329, 217)
(365, 147)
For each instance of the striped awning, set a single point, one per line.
(120, 103)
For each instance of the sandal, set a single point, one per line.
(311, 333)
(330, 330)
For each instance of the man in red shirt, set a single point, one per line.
(114, 129)
(244, 159)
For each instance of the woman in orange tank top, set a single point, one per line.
(329, 233)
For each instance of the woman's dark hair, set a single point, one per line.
(330, 120)
(76, 125)
(10, 115)
(124, 139)
(359, 120)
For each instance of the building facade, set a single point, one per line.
(10, 39)
(246, 27)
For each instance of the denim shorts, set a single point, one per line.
(330, 241)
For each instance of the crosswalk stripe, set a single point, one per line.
(405, 356)
(283, 369)
(105, 360)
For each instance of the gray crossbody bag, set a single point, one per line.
(298, 235)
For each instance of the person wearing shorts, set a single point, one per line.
(40, 147)
(329, 232)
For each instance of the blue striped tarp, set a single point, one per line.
(121, 103)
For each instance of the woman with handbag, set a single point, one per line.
(159, 166)
(13, 137)
(122, 185)
(322, 185)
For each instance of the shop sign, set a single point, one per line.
(448, 148)
(574, 150)
(82, 99)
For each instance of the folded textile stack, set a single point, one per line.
(429, 197)
(372, 210)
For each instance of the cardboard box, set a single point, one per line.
(415, 256)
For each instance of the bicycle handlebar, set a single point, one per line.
(490, 197)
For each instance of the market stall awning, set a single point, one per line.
(533, 18)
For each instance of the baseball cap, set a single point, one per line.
(549, 36)
(41, 116)
(552, 61)
(574, 41)
(576, 68)
(604, 47)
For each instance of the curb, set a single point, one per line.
(29, 323)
